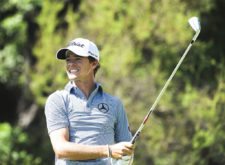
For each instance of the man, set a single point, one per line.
(85, 124)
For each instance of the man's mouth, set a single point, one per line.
(73, 71)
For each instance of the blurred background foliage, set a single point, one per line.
(140, 43)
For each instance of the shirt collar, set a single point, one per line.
(70, 87)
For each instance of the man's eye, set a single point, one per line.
(73, 60)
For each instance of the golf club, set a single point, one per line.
(195, 24)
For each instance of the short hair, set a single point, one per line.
(91, 59)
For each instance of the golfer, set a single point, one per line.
(86, 125)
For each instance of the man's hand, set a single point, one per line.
(121, 149)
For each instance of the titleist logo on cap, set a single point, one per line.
(92, 54)
(76, 44)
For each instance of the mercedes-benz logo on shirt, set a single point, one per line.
(103, 107)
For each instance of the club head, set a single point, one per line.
(195, 24)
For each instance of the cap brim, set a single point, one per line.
(61, 54)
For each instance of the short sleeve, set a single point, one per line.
(122, 130)
(56, 112)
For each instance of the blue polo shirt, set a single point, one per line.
(98, 120)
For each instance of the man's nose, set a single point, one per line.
(71, 63)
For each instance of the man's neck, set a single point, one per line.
(86, 87)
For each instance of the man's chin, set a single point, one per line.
(71, 76)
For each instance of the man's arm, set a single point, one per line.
(68, 150)
(72, 151)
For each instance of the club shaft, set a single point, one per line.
(163, 89)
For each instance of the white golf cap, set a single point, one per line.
(81, 47)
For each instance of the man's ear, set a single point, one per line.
(95, 64)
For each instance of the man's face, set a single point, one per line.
(78, 68)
